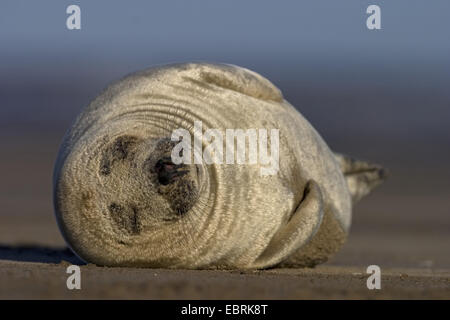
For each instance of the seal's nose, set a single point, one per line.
(167, 171)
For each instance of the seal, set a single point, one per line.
(121, 200)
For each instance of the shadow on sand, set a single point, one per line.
(31, 253)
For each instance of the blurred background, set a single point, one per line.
(381, 95)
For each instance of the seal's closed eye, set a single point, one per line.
(120, 149)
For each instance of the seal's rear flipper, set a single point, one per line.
(298, 231)
(362, 177)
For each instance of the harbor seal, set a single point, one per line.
(120, 200)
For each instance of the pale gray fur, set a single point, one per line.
(114, 210)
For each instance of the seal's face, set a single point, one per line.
(162, 191)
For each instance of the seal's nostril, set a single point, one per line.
(164, 180)
(167, 171)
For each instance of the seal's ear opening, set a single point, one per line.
(362, 177)
(301, 227)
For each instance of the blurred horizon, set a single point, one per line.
(343, 77)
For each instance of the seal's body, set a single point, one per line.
(120, 201)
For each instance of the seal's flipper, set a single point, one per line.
(300, 228)
(362, 177)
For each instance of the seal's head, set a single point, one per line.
(167, 190)
(127, 193)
